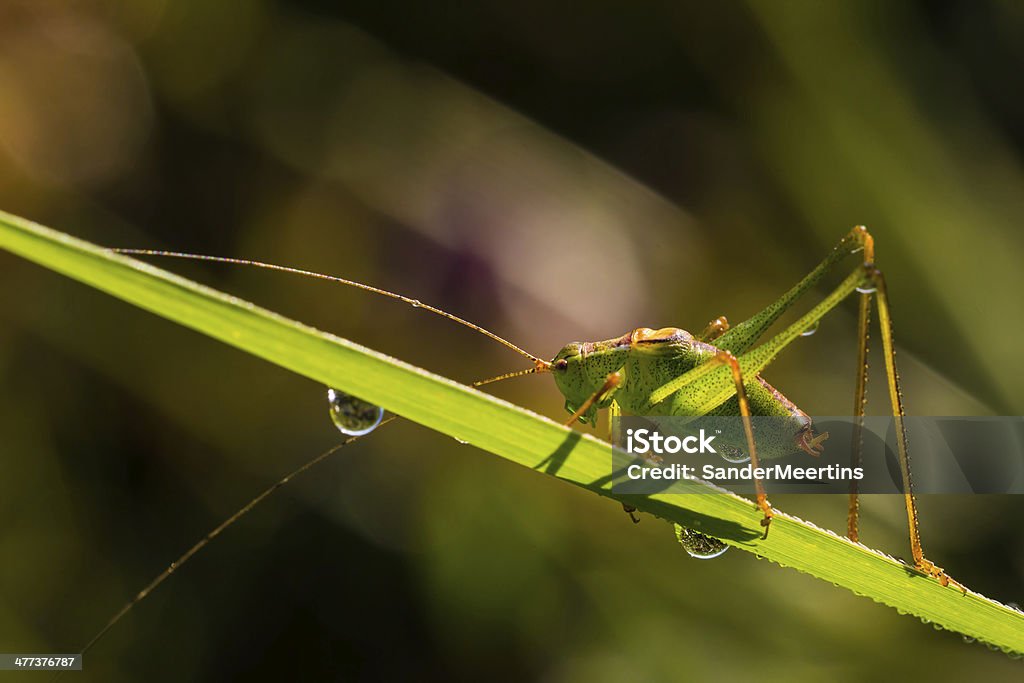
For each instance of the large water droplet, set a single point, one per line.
(352, 416)
(699, 545)
(733, 454)
(811, 330)
(867, 290)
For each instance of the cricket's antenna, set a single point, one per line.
(205, 540)
(540, 365)
(509, 375)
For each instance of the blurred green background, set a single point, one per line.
(555, 174)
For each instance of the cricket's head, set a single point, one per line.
(568, 368)
(581, 369)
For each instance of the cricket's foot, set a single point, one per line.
(929, 568)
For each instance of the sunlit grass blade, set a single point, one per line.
(507, 431)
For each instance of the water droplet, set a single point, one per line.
(867, 290)
(353, 416)
(1013, 605)
(416, 303)
(733, 454)
(698, 545)
(811, 330)
(968, 639)
(464, 443)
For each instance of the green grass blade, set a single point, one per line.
(507, 430)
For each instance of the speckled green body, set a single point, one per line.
(646, 359)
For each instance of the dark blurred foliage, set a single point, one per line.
(553, 173)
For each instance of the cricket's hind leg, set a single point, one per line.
(877, 284)
(868, 281)
(742, 337)
(859, 404)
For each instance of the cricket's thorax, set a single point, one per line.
(647, 359)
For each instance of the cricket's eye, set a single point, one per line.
(561, 364)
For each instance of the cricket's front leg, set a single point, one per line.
(615, 412)
(610, 386)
